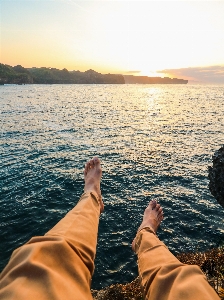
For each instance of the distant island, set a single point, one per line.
(21, 75)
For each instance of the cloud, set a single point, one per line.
(131, 72)
(210, 74)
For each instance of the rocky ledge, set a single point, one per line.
(210, 262)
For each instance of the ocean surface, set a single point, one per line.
(155, 142)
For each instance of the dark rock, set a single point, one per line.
(129, 291)
(216, 176)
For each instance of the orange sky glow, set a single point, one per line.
(153, 38)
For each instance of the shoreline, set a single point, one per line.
(20, 75)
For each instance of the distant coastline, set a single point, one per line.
(21, 75)
(130, 79)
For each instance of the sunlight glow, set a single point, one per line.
(112, 36)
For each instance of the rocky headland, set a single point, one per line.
(130, 79)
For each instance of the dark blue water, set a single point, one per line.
(155, 141)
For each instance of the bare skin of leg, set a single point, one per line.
(92, 177)
(152, 217)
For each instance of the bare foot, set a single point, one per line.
(153, 216)
(92, 177)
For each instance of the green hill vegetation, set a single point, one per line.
(17, 75)
(21, 75)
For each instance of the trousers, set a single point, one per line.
(60, 264)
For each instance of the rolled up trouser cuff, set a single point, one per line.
(152, 242)
(148, 227)
(94, 195)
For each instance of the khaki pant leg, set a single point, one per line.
(60, 264)
(164, 277)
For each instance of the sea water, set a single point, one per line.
(155, 142)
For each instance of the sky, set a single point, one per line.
(183, 39)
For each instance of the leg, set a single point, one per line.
(162, 275)
(60, 264)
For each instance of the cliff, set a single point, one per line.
(130, 79)
(216, 176)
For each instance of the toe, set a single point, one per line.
(160, 210)
(152, 204)
(96, 160)
(161, 217)
(157, 207)
(87, 167)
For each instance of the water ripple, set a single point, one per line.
(154, 142)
